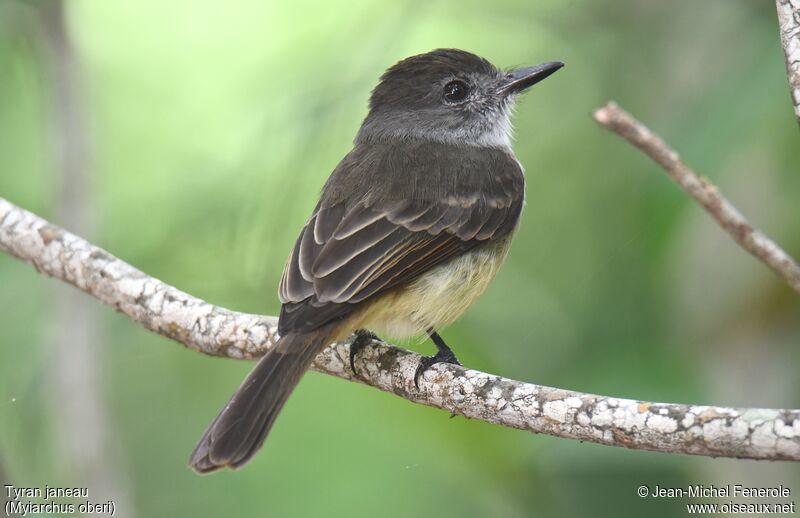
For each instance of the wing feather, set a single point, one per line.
(293, 285)
(356, 220)
(327, 221)
(338, 252)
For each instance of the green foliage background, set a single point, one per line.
(213, 125)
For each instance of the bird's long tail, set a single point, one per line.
(239, 430)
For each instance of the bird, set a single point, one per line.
(410, 228)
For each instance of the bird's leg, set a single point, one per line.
(444, 355)
(363, 337)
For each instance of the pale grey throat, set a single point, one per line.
(488, 125)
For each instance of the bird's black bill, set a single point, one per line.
(522, 78)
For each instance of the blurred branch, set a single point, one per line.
(697, 430)
(748, 237)
(789, 23)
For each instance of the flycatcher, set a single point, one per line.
(411, 227)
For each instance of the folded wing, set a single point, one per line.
(349, 253)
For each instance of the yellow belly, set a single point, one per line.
(436, 298)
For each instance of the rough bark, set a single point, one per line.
(699, 430)
(789, 23)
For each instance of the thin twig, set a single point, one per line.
(698, 430)
(789, 23)
(750, 238)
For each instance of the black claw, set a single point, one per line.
(444, 355)
(429, 361)
(362, 339)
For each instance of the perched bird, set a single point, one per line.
(410, 228)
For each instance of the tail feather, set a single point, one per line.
(239, 430)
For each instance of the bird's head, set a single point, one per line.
(450, 96)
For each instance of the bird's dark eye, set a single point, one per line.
(455, 91)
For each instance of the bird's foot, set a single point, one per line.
(445, 355)
(362, 339)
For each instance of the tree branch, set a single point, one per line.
(748, 237)
(698, 430)
(789, 22)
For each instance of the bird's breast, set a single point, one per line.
(438, 297)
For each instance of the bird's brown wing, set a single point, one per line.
(346, 255)
(389, 212)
